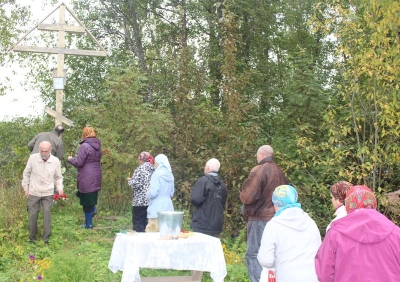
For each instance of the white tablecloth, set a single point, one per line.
(198, 252)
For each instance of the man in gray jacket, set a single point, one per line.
(54, 137)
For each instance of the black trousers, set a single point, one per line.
(139, 218)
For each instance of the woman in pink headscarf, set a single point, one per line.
(140, 182)
(362, 246)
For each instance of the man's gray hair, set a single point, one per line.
(267, 150)
(213, 164)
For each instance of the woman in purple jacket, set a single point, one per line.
(362, 246)
(89, 173)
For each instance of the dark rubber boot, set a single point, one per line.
(88, 220)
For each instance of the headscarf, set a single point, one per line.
(360, 197)
(284, 197)
(146, 157)
(164, 168)
(339, 190)
(88, 132)
(163, 162)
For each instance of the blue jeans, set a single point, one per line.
(255, 229)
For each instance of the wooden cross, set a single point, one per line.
(62, 28)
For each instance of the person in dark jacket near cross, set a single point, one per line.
(209, 197)
(89, 173)
(54, 137)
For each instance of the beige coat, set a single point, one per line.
(39, 176)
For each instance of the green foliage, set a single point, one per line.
(130, 128)
(237, 273)
(236, 245)
(12, 219)
(234, 250)
(126, 127)
(13, 147)
(70, 265)
(13, 18)
(363, 129)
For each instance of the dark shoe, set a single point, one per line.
(86, 227)
(46, 243)
(32, 242)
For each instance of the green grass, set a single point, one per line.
(74, 254)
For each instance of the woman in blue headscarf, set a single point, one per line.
(161, 191)
(290, 239)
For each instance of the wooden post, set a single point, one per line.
(60, 65)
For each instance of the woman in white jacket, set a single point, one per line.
(338, 194)
(290, 239)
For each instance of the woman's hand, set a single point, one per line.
(69, 157)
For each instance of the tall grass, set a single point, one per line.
(13, 211)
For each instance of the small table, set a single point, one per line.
(197, 253)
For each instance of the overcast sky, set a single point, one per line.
(20, 102)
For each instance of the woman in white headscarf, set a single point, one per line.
(290, 239)
(161, 191)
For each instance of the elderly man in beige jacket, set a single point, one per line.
(40, 174)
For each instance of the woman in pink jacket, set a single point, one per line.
(362, 246)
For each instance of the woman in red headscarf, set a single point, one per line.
(140, 182)
(89, 173)
(362, 246)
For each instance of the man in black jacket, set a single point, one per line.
(209, 197)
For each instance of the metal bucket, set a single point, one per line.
(170, 222)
